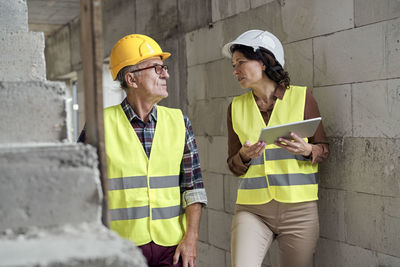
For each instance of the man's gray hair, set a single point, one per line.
(121, 75)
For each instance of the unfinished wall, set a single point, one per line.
(50, 194)
(347, 52)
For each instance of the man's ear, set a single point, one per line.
(131, 80)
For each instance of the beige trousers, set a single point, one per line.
(294, 225)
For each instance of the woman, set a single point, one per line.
(278, 187)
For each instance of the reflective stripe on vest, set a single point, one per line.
(277, 174)
(144, 193)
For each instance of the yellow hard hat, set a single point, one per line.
(132, 49)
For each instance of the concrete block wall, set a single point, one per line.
(347, 52)
(50, 198)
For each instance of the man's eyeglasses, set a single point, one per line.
(157, 68)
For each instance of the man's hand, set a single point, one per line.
(298, 146)
(187, 249)
(250, 151)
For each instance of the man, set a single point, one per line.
(156, 189)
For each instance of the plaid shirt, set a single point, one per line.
(191, 181)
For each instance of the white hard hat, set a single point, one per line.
(257, 39)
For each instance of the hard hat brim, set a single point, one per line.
(163, 56)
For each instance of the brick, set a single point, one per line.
(203, 227)
(48, 185)
(209, 256)
(214, 185)
(221, 82)
(197, 83)
(224, 8)
(40, 107)
(370, 11)
(22, 57)
(299, 63)
(118, 20)
(341, 57)
(58, 53)
(219, 228)
(230, 192)
(193, 14)
(355, 164)
(376, 107)
(334, 103)
(331, 211)
(217, 155)
(204, 45)
(373, 222)
(203, 123)
(157, 19)
(89, 245)
(13, 16)
(331, 253)
(301, 22)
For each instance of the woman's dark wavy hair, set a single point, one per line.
(281, 76)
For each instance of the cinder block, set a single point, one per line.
(230, 192)
(221, 81)
(75, 45)
(202, 148)
(13, 16)
(204, 45)
(217, 155)
(266, 17)
(48, 185)
(89, 245)
(209, 256)
(225, 8)
(177, 94)
(32, 112)
(370, 11)
(58, 53)
(156, 19)
(257, 3)
(214, 185)
(334, 103)
(331, 253)
(373, 222)
(219, 229)
(209, 117)
(203, 227)
(118, 20)
(342, 57)
(197, 83)
(308, 18)
(194, 14)
(376, 109)
(299, 63)
(368, 165)
(331, 214)
(22, 57)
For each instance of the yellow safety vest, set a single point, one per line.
(277, 174)
(144, 193)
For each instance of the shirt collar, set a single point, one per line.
(131, 114)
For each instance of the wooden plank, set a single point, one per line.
(92, 63)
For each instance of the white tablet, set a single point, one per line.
(304, 128)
